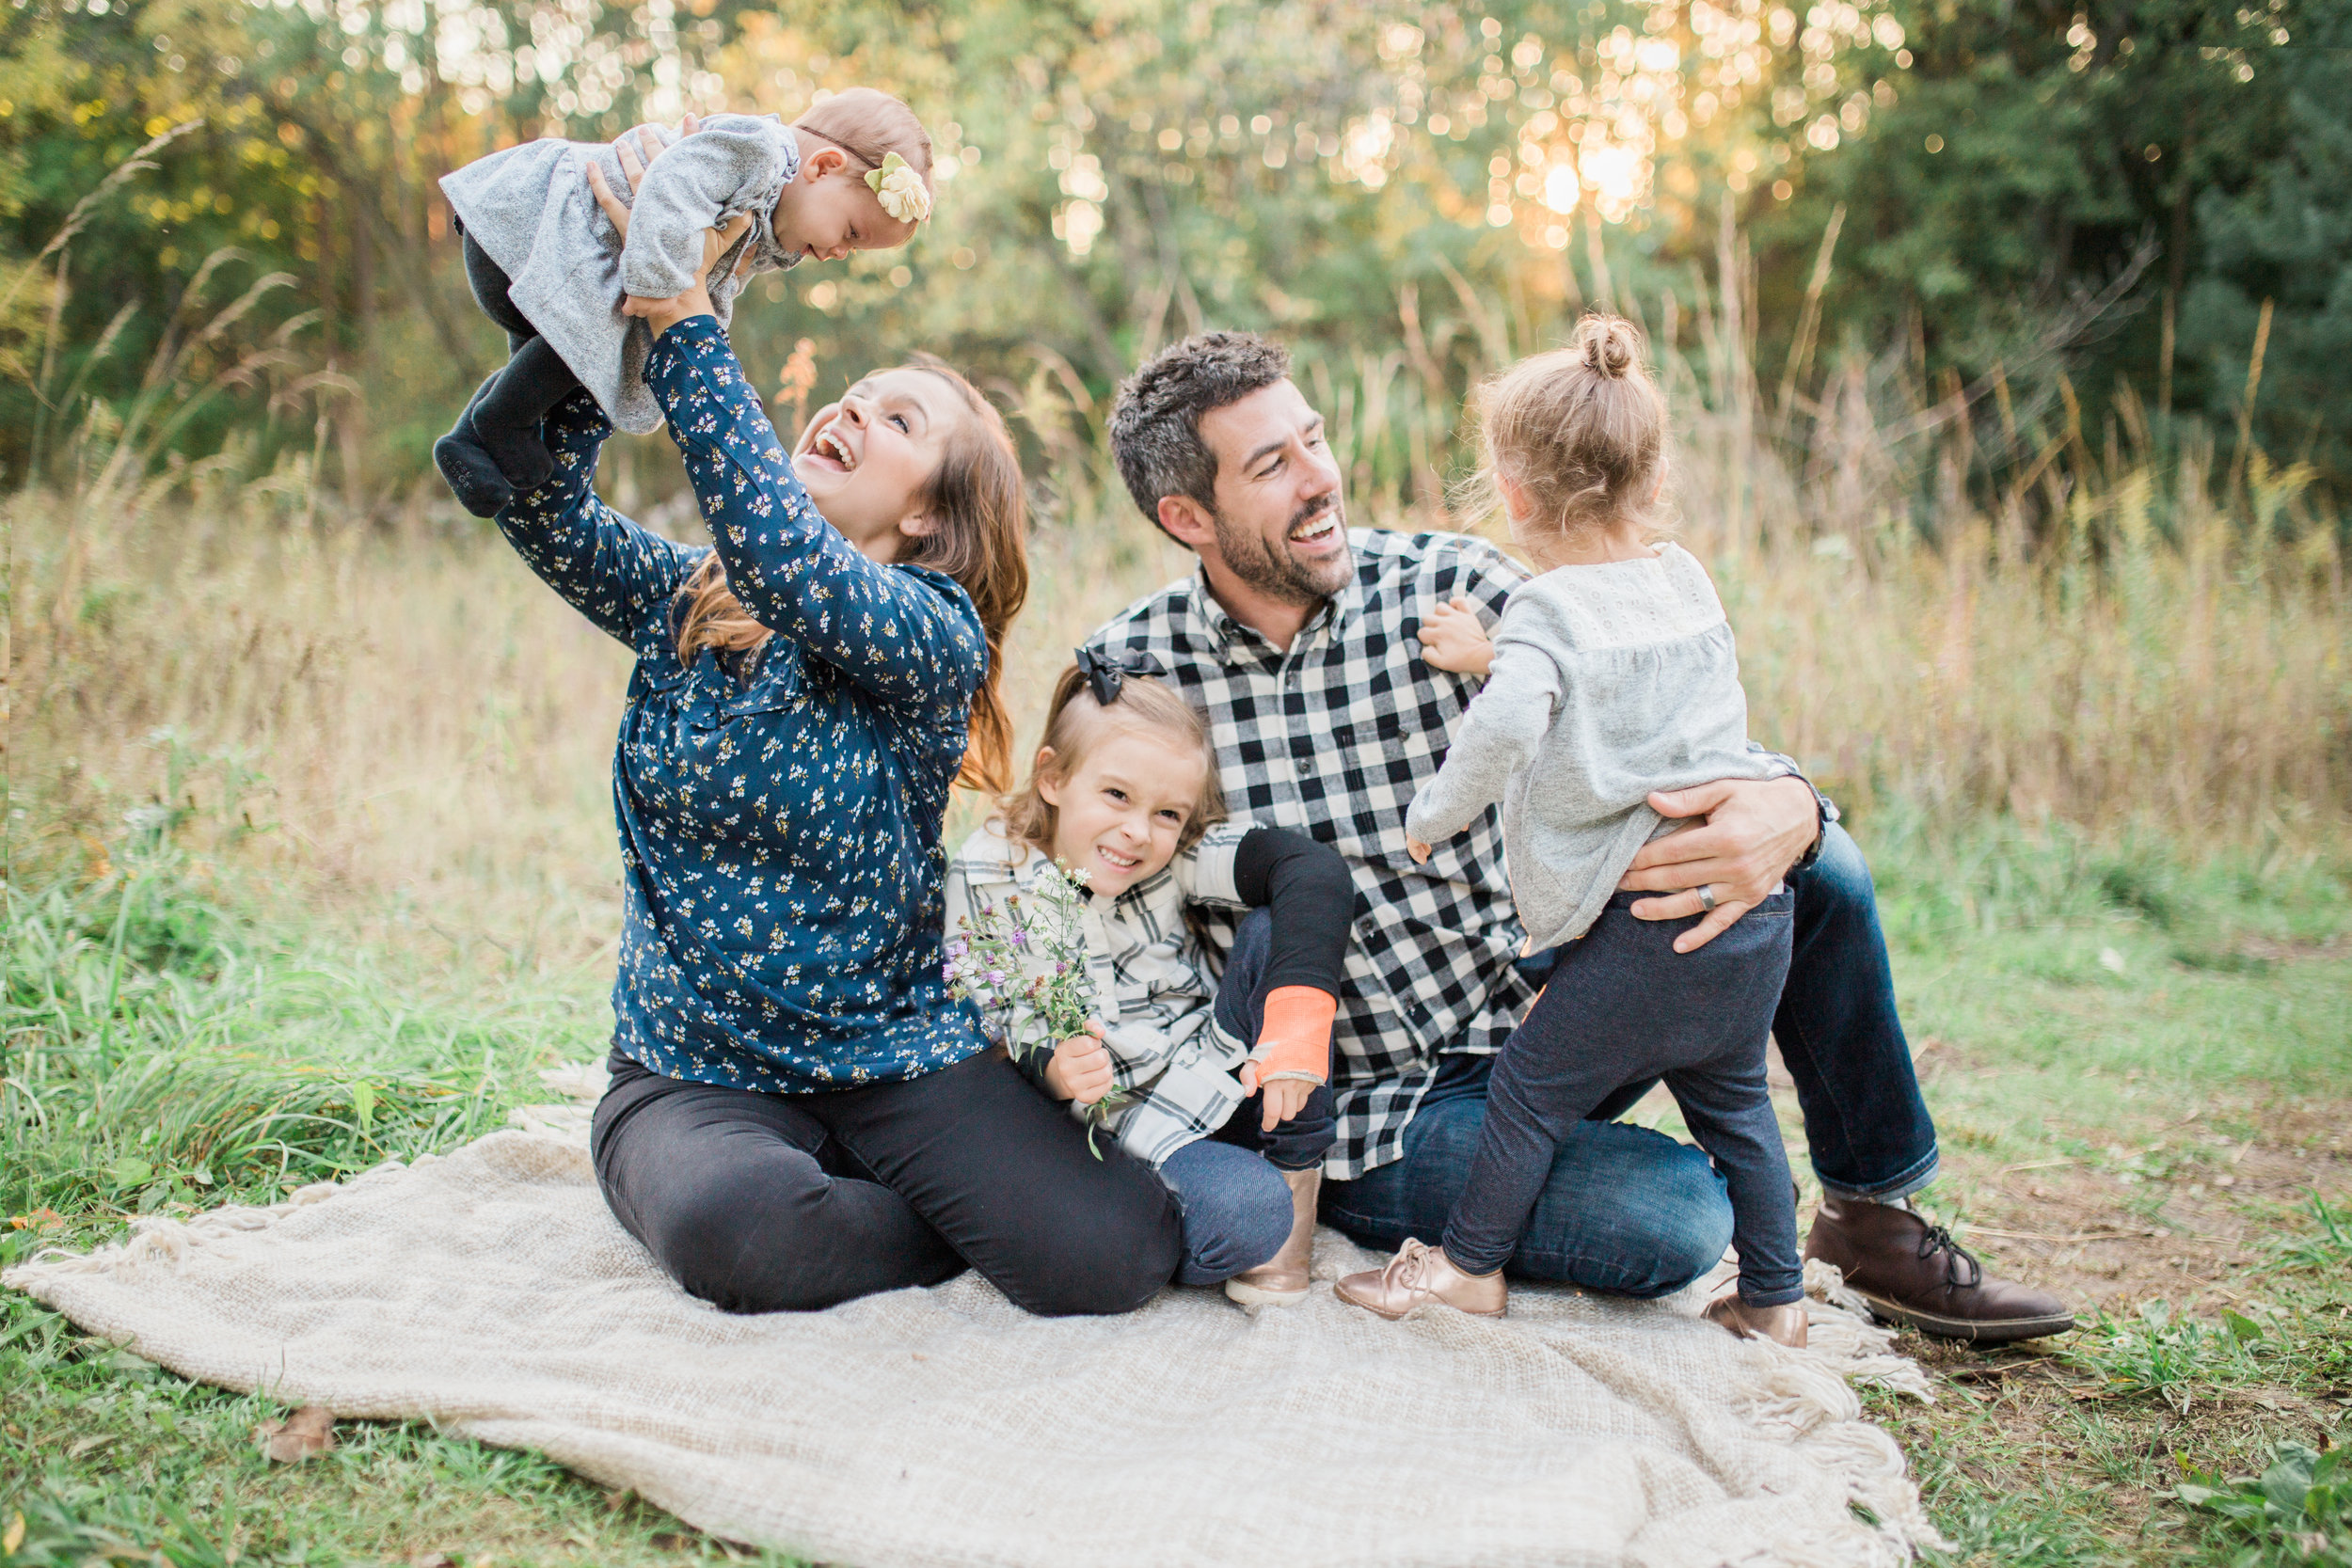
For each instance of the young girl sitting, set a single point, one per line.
(547, 265)
(1223, 1088)
(1614, 675)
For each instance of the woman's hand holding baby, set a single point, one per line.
(662, 314)
(1081, 1068)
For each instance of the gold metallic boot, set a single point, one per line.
(1282, 1279)
(1420, 1277)
(1783, 1324)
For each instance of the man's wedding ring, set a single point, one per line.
(1706, 898)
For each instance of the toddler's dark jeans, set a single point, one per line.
(1623, 1007)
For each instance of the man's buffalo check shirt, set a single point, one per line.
(1333, 738)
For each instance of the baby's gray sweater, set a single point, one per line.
(1609, 682)
(532, 209)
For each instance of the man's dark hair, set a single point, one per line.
(1156, 426)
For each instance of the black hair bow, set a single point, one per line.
(1107, 672)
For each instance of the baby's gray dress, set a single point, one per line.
(532, 210)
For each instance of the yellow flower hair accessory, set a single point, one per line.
(901, 189)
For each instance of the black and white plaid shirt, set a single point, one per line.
(1155, 989)
(1333, 737)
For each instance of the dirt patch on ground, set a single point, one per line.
(2175, 1209)
(2184, 1215)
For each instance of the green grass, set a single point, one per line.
(176, 1037)
(2146, 1439)
(164, 1049)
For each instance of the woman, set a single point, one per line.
(799, 1115)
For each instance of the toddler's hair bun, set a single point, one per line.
(1580, 430)
(1608, 344)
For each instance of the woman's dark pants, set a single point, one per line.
(768, 1202)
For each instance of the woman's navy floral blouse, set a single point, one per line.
(779, 833)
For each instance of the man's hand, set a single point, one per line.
(1453, 639)
(1755, 830)
(1283, 1098)
(1081, 1068)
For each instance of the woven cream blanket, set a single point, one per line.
(490, 1292)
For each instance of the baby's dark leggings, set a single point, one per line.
(495, 449)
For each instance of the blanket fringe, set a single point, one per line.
(156, 1238)
(1810, 1393)
(1839, 1324)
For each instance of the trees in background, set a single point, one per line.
(2057, 215)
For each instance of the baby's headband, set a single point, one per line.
(901, 189)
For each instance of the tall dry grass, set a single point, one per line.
(2116, 641)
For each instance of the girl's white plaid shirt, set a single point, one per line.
(1154, 986)
(1333, 737)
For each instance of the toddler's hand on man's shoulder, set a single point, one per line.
(1454, 640)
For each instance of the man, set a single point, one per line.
(1300, 641)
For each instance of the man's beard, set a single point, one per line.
(1268, 567)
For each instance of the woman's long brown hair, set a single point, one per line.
(980, 511)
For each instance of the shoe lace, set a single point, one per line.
(1405, 1269)
(1937, 1240)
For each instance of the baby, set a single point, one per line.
(548, 266)
(1614, 675)
(1222, 1087)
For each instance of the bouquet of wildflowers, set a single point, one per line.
(1027, 962)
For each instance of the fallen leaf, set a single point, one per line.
(87, 1445)
(14, 1536)
(304, 1435)
(42, 1220)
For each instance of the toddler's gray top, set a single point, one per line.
(532, 209)
(1609, 682)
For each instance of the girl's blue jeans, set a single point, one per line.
(1228, 1185)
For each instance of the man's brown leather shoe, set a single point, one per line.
(1913, 1272)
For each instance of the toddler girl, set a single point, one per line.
(1614, 675)
(547, 265)
(1224, 1089)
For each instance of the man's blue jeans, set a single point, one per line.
(1633, 1212)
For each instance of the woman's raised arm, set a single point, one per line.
(906, 635)
(619, 575)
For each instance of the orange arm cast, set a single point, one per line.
(1296, 1036)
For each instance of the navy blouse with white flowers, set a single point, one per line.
(779, 833)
